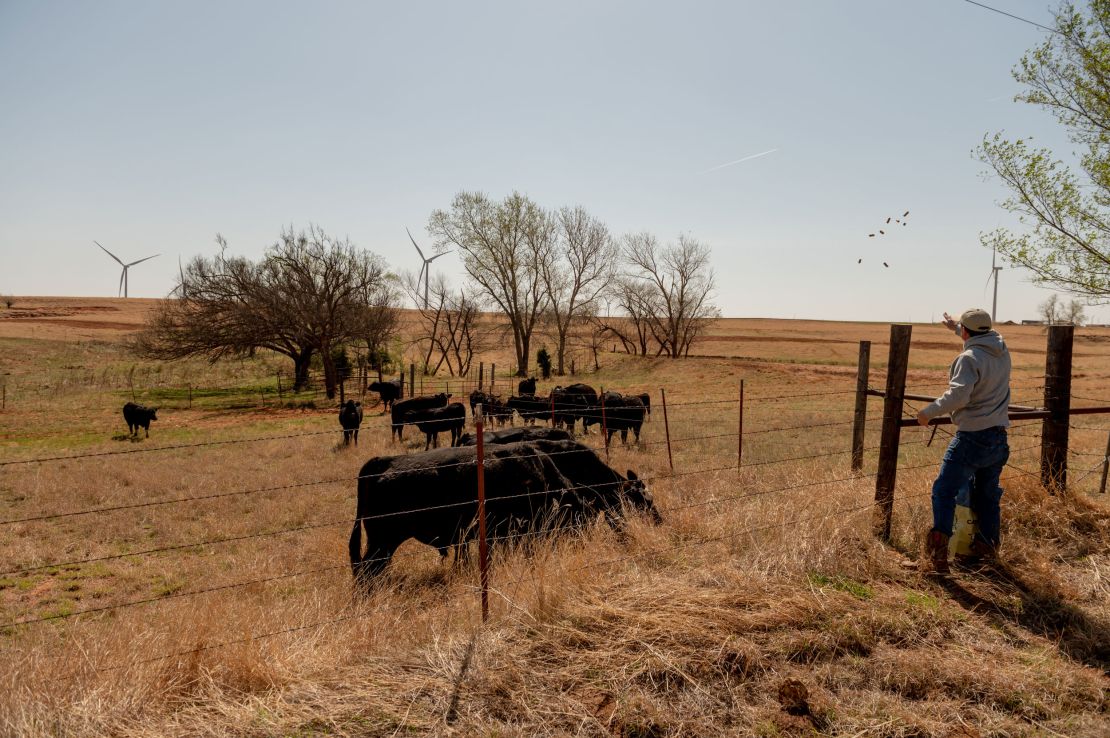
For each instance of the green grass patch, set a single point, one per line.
(843, 584)
(164, 586)
(922, 601)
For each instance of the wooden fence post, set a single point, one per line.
(1057, 401)
(412, 379)
(667, 429)
(1105, 466)
(483, 543)
(280, 398)
(190, 395)
(492, 372)
(897, 362)
(863, 371)
(481, 375)
(740, 429)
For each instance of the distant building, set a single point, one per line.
(1032, 322)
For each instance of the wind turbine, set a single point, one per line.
(123, 276)
(995, 269)
(425, 270)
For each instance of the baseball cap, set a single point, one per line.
(976, 320)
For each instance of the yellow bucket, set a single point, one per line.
(963, 532)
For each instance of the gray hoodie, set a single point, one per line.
(978, 393)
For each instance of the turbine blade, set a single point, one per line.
(119, 292)
(414, 244)
(445, 253)
(140, 261)
(109, 253)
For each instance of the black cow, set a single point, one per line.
(499, 412)
(477, 397)
(646, 399)
(526, 386)
(574, 402)
(401, 407)
(530, 407)
(516, 435)
(389, 391)
(531, 488)
(493, 407)
(436, 420)
(622, 414)
(138, 416)
(350, 417)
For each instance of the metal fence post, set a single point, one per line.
(483, 543)
(1057, 401)
(896, 366)
(1105, 466)
(667, 429)
(412, 379)
(859, 424)
(740, 429)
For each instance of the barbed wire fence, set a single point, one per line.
(1015, 467)
(695, 440)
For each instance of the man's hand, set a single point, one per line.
(949, 322)
(922, 418)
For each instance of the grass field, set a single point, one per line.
(762, 606)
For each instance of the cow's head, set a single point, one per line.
(637, 494)
(154, 413)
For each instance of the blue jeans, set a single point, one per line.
(976, 457)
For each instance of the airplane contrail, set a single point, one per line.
(738, 161)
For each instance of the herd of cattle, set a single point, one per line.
(538, 480)
(565, 407)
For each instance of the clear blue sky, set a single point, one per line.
(151, 126)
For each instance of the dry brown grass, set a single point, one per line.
(749, 612)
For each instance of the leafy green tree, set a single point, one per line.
(1066, 210)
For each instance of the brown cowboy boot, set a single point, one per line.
(981, 553)
(936, 546)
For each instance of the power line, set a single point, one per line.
(1011, 15)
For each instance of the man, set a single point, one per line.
(978, 400)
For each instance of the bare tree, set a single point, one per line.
(1049, 310)
(380, 321)
(638, 304)
(452, 330)
(681, 282)
(580, 270)
(1075, 313)
(431, 307)
(308, 295)
(504, 246)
